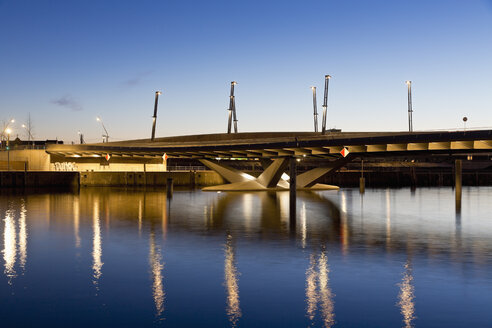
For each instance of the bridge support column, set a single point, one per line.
(292, 192)
(271, 178)
(457, 183)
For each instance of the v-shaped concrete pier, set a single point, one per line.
(271, 178)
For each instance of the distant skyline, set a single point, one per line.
(67, 62)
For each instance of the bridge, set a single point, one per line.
(279, 150)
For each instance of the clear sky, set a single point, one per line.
(68, 61)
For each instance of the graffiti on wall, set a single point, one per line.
(65, 166)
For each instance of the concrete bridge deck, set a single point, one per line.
(285, 144)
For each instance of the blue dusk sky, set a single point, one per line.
(67, 61)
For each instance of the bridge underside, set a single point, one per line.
(272, 178)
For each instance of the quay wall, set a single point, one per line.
(191, 178)
(72, 179)
(403, 179)
(34, 179)
(209, 178)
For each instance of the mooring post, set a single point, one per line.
(457, 183)
(362, 180)
(169, 187)
(413, 177)
(145, 174)
(292, 192)
(25, 174)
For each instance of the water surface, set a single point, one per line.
(133, 258)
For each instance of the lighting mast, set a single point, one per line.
(325, 104)
(315, 109)
(232, 110)
(105, 136)
(154, 118)
(410, 109)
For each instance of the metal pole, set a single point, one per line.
(315, 108)
(8, 152)
(154, 118)
(410, 110)
(325, 104)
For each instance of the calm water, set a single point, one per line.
(126, 258)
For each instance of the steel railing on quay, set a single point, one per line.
(187, 168)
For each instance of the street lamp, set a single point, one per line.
(410, 110)
(105, 136)
(6, 126)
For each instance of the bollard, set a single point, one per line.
(362, 185)
(362, 181)
(413, 177)
(145, 174)
(169, 187)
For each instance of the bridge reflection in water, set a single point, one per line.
(329, 226)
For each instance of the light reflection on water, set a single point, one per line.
(344, 244)
(318, 292)
(10, 244)
(156, 267)
(406, 296)
(96, 244)
(231, 282)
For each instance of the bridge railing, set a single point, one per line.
(187, 168)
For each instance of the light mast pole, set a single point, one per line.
(325, 104)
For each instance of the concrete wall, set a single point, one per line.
(198, 178)
(37, 159)
(115, 164)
